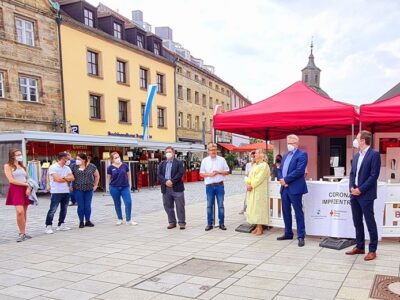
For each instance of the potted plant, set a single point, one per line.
(230, 160)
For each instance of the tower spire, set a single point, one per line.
(312, 44)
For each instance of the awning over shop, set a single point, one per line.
(381, 116)
(228, 147)
(255, 146)
(297, 109)
(93, 140)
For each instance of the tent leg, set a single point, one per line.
(352, 137)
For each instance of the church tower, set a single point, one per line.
(311, 74)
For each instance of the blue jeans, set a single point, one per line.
(215, 191)
(72, 194)
(84, 199)
(61, 199)
(125, 193)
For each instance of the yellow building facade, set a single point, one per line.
(102, 85)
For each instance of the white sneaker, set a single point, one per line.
(49, 229)
(63, 227)
(131, 223)
(119, 222)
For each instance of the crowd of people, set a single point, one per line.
(81, 178)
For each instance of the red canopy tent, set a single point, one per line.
(297, 109)
(255, 146)
(381, 116)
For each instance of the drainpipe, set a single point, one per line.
(59, 21)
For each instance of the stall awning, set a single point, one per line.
(227, 146)
(381, 116)
(297, 109)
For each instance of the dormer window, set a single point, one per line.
(88, 17)
(117, 30)
(157, 49)
(140, 41)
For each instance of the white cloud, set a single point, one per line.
(260, 46)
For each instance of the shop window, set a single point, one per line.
(143, 78)
(117, 30)
(121, 72)
(88, 17)
(196, 97)
(160, 83)
(93, 63)
(25, 31)
(161, 116)
(95, 106)
(29, 89)
(180, 92)
(2, 92)
(189, 95)
(123, 111)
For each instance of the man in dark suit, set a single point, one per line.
(170, 172)
(363, 188)
(293, 186)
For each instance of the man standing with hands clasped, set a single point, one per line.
(293, 186)
(214, 169)
(170, 174)
(363, 188)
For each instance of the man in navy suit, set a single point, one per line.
(363, 188)
(170, 174)
(293, 186)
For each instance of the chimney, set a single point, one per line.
(164, 32)
(137, 16)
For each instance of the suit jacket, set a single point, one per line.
(368, 174)
(295, 174)
(177, 172)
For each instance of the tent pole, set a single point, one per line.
(352, 137)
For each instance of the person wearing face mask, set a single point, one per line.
(60, 177)
(119, 177)
(70, 163)
(86, 182)
(249, 165)
(170, 173)
(363, 187)
(291, 176)
(19, 190)
(276, 166)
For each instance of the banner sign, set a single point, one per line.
(152, 88)
(327, 210)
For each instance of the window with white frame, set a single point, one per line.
(143, 78)
(123, 111)
(161, 117)
(25, 32)
(121, 71)
(95, 106)
(197, 123)
(160, 83)
(29, 89)
(157, 49)
(189, 121)
(2, 93)
(140, 41)
(117, 30)
(88, 17)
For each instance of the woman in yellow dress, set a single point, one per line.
(257, 193)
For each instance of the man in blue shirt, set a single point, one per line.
(293, 186)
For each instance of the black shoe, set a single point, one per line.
(284, 237)
(208, 227)
(301, 242)
(81, 225)
(222, 227)
(89, 224)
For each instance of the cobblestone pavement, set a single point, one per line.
(145, 201)
(148, 261)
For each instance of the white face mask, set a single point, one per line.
(117, 160)
(19, 158)
(168, 155)
(68, 162)
(356, 144)
(78, 162)
(290, 147)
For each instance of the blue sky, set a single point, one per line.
(260, 46)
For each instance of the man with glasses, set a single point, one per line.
(293, 186)
(214, 169)
(60, 177)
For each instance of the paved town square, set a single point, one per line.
(148, 261)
